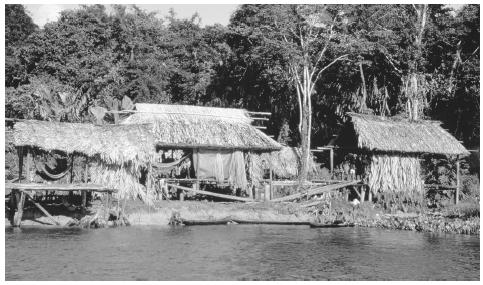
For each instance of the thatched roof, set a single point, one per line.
(116, 144)
(181, 126)
(400, 135)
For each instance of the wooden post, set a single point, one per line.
(363, 193)
(250, 188)
(20, 163)
(331, 153)
(370, 196)
(17, 218)
(270, 192)
(27, 166)
(72, 168)
(457, 180)
(84, 193)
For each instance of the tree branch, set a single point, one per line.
(325, 67)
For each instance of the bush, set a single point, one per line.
(470, 189)
(463, 210)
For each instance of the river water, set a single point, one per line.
(238, 252)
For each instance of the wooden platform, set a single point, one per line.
(58, 187)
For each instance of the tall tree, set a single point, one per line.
(304, 36)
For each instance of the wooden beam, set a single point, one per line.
(260, 113)
(260, 119)
(317, 190)
(58, 187)
(260, 127)
(212, 194)
(40, 207)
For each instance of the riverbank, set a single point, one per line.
(163, 211)
(461, 219)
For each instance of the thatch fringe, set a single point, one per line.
(237, 174)
(125, 179)
(395, 174)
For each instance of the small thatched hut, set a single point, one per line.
(392, 148)
(118, 155)
(220, 140)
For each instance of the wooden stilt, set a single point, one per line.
(363, 193)
(457, 180)
(370, 196)
(17, 219)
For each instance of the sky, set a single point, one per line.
(209, 13)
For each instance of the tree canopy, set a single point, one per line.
(372, 55)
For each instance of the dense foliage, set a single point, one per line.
(91, 58)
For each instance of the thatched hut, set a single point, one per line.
(392, 147)
(117, 155)
(219, 141)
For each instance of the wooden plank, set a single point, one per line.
(260, 119)
(212, 194)
(41, 208)
(317, 190)
(260, 127)
(58, 187)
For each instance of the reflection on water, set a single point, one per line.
(238, 252)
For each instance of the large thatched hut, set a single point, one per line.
(117, 155)
(391, 148)
(217, 141)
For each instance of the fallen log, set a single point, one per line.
(212, 194)
(317, 190)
